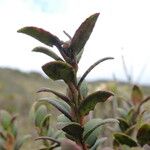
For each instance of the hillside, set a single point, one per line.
(18, 89)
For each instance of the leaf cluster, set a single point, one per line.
(9, 138)
(77, 103)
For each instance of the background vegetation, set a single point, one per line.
(18, 92)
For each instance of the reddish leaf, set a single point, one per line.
(90, 102)
(143, 135)
(58, 70)
(74, 129)
(137, 95)
(83, 33)
(41, 35)
(69, 145)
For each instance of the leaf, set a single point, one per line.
(40, 113)
(63, 119)
(44, 126)
(5, 119)
(69, 145)
(84, 89)
(62, 96)
(89, 102)
(123, 124)
(78, 57)
(124, 139)
(91, 139)
(60, 105)
(48, 138)
(83, 33)
(91, 68)
(58, 70)
(47, 52)
(97, 143)
(41, 35)
(21, 141)
(88, 128)
(143, 135)
(74, 129)
(10, 140)
(136, 95)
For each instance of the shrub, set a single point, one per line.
(78, 131)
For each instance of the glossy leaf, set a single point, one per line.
(60, 105)
(58, 70)
(74, 129)
(143, 135)
(83, 33)
(90, 101)
(96, 123)
(137, 95)
(124, 139)
(5, 119)
(123, 124)
(47, 52)
(60, 95)
(41, 35)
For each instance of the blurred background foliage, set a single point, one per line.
(18, 93)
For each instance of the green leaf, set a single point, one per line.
(14, 130)
(74, 129)
(41, 35)
(45, 124)
(89, 102)
(84, 89)
(136, 95)
(124, 139)
(40, 114)
(63, 118)
(93, 124)
(58, 70)
(91, 139)
(123, 124)
(143, 135)
(78, 57)
(91, 68)
(47, 52)
(21, 141)
(60, 105)
(62, 96)
(97, 143)
(5, 119)
(83, 33)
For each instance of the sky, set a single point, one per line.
(122, 29)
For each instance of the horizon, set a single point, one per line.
(122, 29)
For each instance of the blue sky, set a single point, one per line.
(123, 28)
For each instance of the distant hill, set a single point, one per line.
(18, 89)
